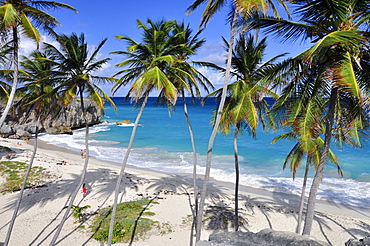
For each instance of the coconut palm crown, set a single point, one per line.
(329, 69)
(25, 17)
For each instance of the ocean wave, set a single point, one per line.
(339, 190)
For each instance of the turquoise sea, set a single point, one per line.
(162, 143)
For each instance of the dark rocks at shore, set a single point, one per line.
(358, 242)
(266, 237)
(69, 118)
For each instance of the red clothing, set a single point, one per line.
(84, 190)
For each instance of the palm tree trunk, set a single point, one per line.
(78, 187)
(22, 188)
(15, 76)
(195, 188)
(301, 205)
(118, 184)
(214, 131)
(319, 175)
(236, 179)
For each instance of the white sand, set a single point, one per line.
(41, 208)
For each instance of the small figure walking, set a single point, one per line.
(82, 154)
(84, 190)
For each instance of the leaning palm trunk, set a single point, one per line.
(214, 131)
(78, 187)
(301, 205)
(15, 77)
(118, 184)
(236, 179)
(319, 175)
(6, 243)
(195, 188)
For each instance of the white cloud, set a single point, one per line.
(215, 77)
(27, 45)
(213, 52)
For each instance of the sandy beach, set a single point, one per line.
(41, 208)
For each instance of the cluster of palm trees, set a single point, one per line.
(325, 88)
(50, 78)
(322, 92)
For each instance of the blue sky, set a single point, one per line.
(107, 19)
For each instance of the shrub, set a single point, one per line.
(14, 172)
(78, 211)
(129, 222)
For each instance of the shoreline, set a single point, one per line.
(323, 206)
(262, 209)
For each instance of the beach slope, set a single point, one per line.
(42, 207)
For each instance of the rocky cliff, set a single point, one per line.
(69, 118)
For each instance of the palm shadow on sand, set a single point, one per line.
(289, 204)
(102, 180)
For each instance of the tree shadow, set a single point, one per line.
(47, 226)
(289, 204)
(352, 232)
(181, 185)
(174, 184)
(102, 180)
(270, 201)
(220, 217)
(251, 204)
(137, 221)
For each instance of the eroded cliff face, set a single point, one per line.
(68, 118)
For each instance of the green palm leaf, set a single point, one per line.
(345, 77)
(9, 16)
(29, 30)
(350, 38)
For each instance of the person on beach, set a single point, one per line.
(10, 156)
(82, 154)
(84, 190)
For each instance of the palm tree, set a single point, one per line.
(76, 67)
(334, 27)
(24, 16)
(187, 45)
(239, 7)
(295, 156)
(150, 65)
(244, 105)
(5, 88)
(38, 82)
